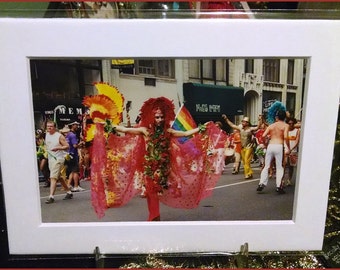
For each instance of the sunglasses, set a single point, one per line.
(159, 117)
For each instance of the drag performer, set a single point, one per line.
(157, 133)
(149, 157)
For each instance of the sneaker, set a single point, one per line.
(280, 190)
(68, 196)
(260, 187)
(249, 176)
(288, 183)
(50, 200)
(77, 189)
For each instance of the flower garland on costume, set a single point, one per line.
(260, 152)
(157, 160)
(201, 128)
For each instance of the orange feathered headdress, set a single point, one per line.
(152, 105)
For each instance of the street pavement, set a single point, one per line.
(233, 199)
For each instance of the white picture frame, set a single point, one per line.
(23, 39)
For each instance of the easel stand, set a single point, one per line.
(188, 260)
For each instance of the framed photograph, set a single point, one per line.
(314, 42)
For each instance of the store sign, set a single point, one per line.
(62, 114)
(208, 108)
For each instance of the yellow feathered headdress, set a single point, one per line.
(107, 105)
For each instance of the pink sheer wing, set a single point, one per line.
(196, 166)
(125, 156)
(116, 166)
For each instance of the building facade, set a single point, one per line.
(61, 84)
(264, 81)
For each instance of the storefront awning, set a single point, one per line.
(209, 102)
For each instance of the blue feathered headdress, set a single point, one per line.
(272, 111)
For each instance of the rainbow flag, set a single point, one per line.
(183, 121)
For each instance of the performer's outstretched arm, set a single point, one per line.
(132, 130)
(179, 133)
(231, 124)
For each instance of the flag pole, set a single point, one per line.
(179, 110)
(179, 100)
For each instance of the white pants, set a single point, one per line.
(273, 151)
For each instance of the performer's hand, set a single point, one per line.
(225, 118)
(201, 128)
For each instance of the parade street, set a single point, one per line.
(233, 198)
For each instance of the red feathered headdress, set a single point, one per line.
(150, 107)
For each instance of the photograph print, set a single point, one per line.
(167, 139)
